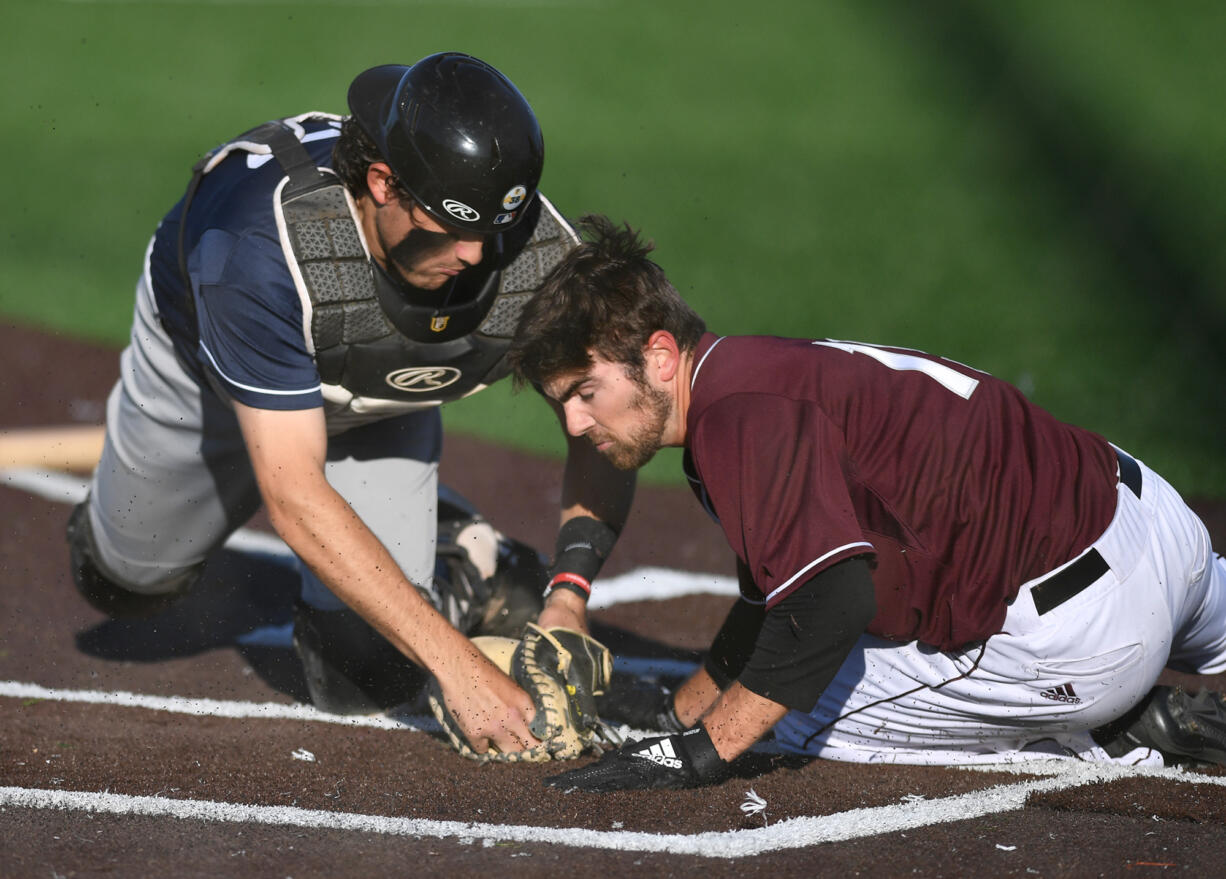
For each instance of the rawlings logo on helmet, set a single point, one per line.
(460, 211)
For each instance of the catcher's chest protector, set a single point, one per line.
(353, 321)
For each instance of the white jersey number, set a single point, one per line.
(951, 379)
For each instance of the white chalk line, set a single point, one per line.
(216, 707)
(791, 833)
(645, 583)
(641, 584)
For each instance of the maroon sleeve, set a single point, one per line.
(773, 470)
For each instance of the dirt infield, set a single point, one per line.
(163, 783)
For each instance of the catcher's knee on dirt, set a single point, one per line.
(350, 668)
(103, 591)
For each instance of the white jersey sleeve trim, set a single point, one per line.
(694, 377)
(253, 388)
(817, 561)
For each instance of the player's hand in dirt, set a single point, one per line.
(681, 760)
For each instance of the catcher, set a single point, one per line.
(323, 286)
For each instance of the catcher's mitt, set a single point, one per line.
(563, 671)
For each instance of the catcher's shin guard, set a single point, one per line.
(1184, 729)
(101, 591)
(349, 667)
(485, 583)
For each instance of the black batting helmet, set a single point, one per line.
(458, 136)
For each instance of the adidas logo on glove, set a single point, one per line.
(661, 752)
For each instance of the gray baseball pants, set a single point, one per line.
(175, 481)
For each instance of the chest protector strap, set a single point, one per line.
(368, 366)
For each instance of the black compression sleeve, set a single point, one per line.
(583, 545)
(806, 636)
(732, 646)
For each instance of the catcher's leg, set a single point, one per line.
(158, 504)
(388, 473)
(349, 667)
(102, 591)
(484, 584)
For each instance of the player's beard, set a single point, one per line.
(646, 438)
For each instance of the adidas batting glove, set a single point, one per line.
(682, 760)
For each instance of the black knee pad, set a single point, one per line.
(102, 591)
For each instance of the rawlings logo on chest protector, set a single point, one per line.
(423, 379)
(369, 358)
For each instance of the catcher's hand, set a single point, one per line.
(563, 670)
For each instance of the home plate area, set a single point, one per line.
(182, 745)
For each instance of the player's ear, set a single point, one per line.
(381, 183)
(662, 353)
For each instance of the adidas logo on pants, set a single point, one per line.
(1063, 693)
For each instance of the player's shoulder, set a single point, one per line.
(729, 363)
(733, 375)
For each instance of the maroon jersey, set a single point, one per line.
(959, 488)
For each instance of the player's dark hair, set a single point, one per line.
(604, 296)
(352, 155)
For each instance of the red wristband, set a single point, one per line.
(570, 582)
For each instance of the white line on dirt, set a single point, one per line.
(214, 707)
(641, 584)
(791, 833)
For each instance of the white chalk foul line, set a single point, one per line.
(790, 833)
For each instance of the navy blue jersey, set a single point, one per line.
(248, 326)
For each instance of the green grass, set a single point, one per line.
(1032, 188)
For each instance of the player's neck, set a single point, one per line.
(681, 400)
